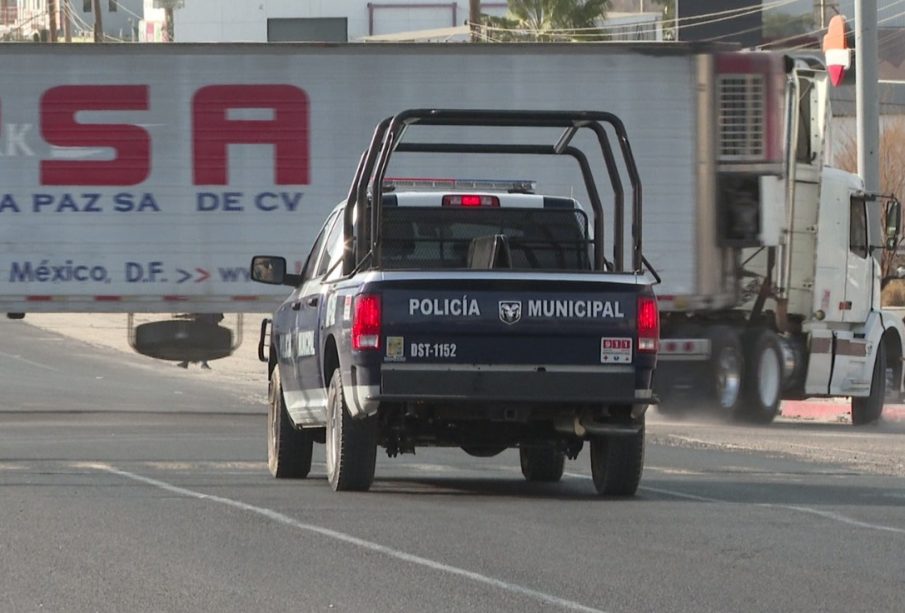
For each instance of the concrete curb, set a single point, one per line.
(827, 410)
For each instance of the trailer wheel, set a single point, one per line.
(617, 462)
(351, 444)
(542, 464)
(762, 386)
(867, 409)
(288, 449)
(727, 366)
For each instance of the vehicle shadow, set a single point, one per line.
(494, 487)
(652, 490)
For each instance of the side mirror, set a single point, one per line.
(268, 269)
(893, 223)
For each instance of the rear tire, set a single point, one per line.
(868, 409)
(617, 462)
(288, 449)
(762, 385)
(351, 444)
(542, 464)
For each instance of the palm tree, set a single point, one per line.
(544, 20)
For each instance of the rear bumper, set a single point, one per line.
(609, 385)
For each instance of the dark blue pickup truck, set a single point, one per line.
(471, 314)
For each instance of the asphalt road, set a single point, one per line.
(124, 487)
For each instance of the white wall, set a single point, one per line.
(246, 20)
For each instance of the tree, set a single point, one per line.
(546, 20)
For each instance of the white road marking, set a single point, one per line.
(347, 538)
(21, 359)
(676, 494)
(789, 507)
(837, 517)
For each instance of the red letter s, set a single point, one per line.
(132, 144)
(213, 132)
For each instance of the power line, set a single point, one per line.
(700, 20)
(812, 32)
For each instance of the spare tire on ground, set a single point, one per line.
(183, 340)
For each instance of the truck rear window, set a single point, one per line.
(442, 238)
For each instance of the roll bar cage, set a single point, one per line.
(362, 243)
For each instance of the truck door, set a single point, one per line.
(297, 401)
(859, 274)
(312, 300)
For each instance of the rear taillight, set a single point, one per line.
(470, 200)
(366, 322)
(648, 324)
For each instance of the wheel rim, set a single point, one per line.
(728, 378)
(769, 372)
(332, 441)
(274, 426)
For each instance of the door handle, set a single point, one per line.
(313, 300)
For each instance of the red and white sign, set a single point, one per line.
(615, 350)
(838, 55)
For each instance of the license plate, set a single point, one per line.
(615, 350)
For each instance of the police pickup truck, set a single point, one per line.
(467, 315)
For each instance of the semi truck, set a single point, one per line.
(787, 297)
(142, 178)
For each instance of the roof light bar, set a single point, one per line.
(495, 185)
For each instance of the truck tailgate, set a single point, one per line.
(518, 340)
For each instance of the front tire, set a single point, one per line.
(617, 462)
(762, 386)
(351, 444)
(542, 464)
(867, 410)
(288, 449)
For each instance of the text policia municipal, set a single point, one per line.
(564, 309)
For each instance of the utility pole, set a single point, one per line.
(474, 18)
(171, 29)
(98, 22)
(867, 105)
(822, 9)
(67, 21)
(52, 13)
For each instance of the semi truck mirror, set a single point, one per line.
(893, 223)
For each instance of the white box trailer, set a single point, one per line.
(142, 178)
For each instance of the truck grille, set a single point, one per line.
(741, 117)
